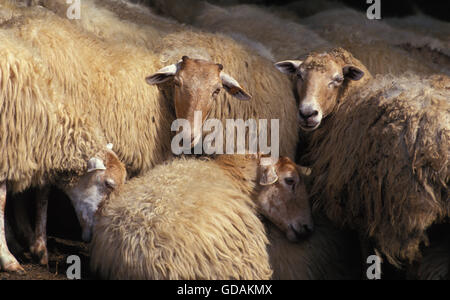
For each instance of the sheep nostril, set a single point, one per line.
(308, 114)
(308, 228)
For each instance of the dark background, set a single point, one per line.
(389, 8)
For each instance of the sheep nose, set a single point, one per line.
(302, 231)
(306, 114)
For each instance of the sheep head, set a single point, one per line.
(283, 199)
(105, 174)
(322, 80)
(197, 83)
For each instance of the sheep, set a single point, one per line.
(272, 96)
(390, 47)
(133, 109)
(283, 39)
(155, 141)
(380, 158)
(45, 141)
(328, 254)
(170, 50)
(197, 219)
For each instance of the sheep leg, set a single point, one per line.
(8, 262)
(39, 246)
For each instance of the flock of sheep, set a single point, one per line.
(87, 105)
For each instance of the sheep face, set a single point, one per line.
(321, 79)
(104, 175)
(197, 83)
(283, 198)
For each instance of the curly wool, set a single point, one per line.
(381, 165)
(187, 219)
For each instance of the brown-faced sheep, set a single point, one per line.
(272, 96)
(197, 219)
(382, 167)
(382, 48)
(380, 158)
(43, 141)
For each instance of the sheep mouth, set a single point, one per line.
(309, 127)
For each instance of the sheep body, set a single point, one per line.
(283, 39)
(389, 46)
(42, 137)
(381, 162)
(118, 21)
(108, 87)
(170, 225)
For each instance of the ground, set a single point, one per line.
(64, 240)
(59, 250)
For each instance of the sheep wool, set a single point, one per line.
(187, 219)
(42, 137)
(381, 165)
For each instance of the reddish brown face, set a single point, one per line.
(283, 198)
(320, 80)
(196, 84)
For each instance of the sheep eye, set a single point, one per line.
(216, 92)
(289, 181)
(299, 75)
(109, 183)
(339, 80)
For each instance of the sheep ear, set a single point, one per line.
(268, 173)
(305, 171)
(352, 73)
(163, 75)
(95, 164)
(232, 87)
(289, 67)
